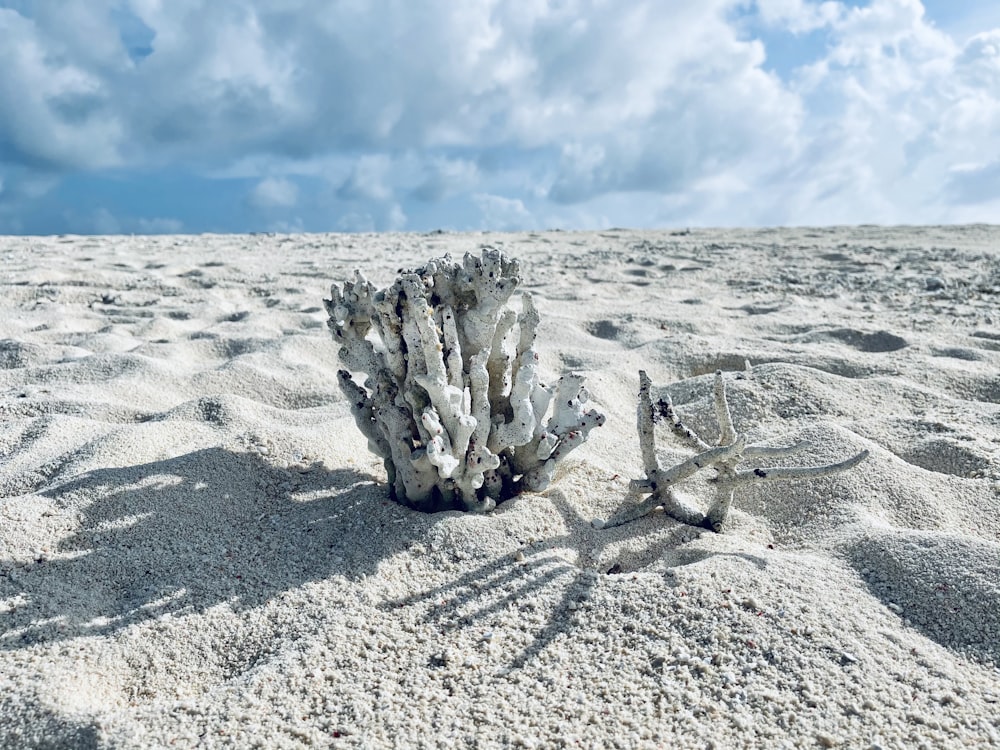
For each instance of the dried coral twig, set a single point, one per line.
(724, 458)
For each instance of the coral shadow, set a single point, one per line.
(501, 584)
(182, 535)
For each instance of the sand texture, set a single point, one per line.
(197, 549)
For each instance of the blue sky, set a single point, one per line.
(149, 116)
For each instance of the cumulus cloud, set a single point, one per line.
(799, 16)
(503, 213)
(444, 177)
(368, 180)
(380, 218)
(23, 185)
(56, 108)
(274, 192)
(508, 111)
(894, 107)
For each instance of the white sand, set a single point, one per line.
(196, 548)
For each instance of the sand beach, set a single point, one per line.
(198, 550)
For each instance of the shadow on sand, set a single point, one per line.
(182, 535)
(217, 527)
(483, 595)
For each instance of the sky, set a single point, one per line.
(190, 116)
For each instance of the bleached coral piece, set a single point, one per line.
(724, 458)
(451, 398)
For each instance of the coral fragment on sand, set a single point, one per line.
(724, 457)
(452, 399)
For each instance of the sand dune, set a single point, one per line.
(196, 549)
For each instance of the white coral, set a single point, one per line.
(724, 458)
(452, 400)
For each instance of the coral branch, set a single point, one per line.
(723, 457)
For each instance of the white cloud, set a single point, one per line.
(274, 193)
(55, 113)
(503, 213)
(24, 184)
(799, 16)
(373, 218)
(367, 180)
(979, 61)
(443, 177)
(892, 108)
(356, 221)
(395, 218)
(520, 110)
